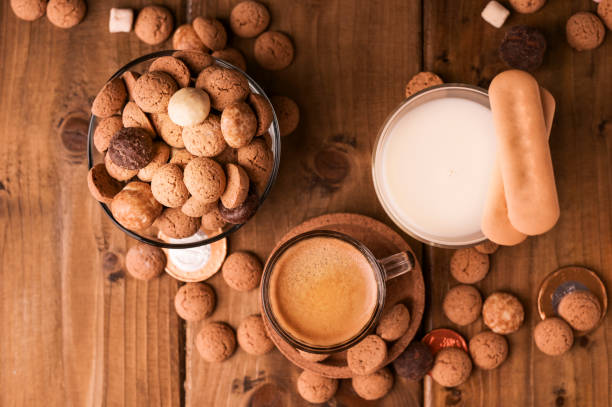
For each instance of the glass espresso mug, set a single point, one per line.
(323, 291)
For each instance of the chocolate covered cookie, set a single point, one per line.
(131, 148)
(523, 47)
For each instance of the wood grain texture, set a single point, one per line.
(461, 47)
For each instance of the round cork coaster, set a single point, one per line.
(408, 289)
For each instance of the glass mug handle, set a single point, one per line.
(397, 264)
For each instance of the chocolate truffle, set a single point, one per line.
(168, 187)
(189, 107)
(211, 32)
(393, 323)
(237, 187)
(502, 313)
(273, 50)
(313, 357)
(315, 388)
(105, 130)
(196, 61)
(216, 342)
(487, 247)
(29, 10)
(161, 154)
(133, 116)
(118, 173)
(66, 13)
(584, 31)
(452, 367)
(185, 38)
(195, 301)
(374, 385)
(258, 161)
(131, 148)
(420, 81)
(367, 356)
(263, 111)
(204, 179)
(242, 271)
(249, 18)
(581, 309)
(180, 157)
(233, 56)
(194, 208)
(110, 99)
(242, 212)
(415, 361)
(205, 139)
(252, 336)
(238, 124)
(488, 350)
(469, 266)
(101, 185)
(527, 6)
(169, 131)
(462, 304)
(173, 67)
(135, 207)
(175, 224)
(553, 336)
(224, 86)
(153, 91)
(287, 114)
(154, 24)
(145, 262)
(523, 47)
(212, 219)
(604, 11)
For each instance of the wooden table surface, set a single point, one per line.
(76, 331)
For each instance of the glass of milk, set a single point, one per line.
(432, 162)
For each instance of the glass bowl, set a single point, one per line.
(149, 236)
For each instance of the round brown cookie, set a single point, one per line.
(287, 114)
(110, 99)
(462, 304)
(313, 357)
(604, 11)
(173, 67)
(170, 132)
(315, 388)
(205, 179)
(196, 209)
(581, 309)
(180, 157)
(415, 361)
(129, 79)
(584, 31)
(133, 116)
(212, 219)
(367, 356)
(238, 124)
(527, 6)
(487, 247)
(237, 187)
(161, 154)
(168, 187)
(252, 336)
(229, 155)
(135, 207)
(263, 111)
(468, 266)
(452, 367)
(105, 130)
(185, 38)
(211, 32)
(258, 162)
(393, 323)
(242, 271)
(196, 61)
(553, 336)
(195, 301)
(189, 107)
(131, 148)
(118, 173)
(488, 350)
(273, 50)
(102, 186)
(249, 18)
(153, 91)
(175, 224)
(216, 342)
(224, 86)
(29, 10)
(502, 313)
(66, 13)
(205, 139)
(268, 139)
(374, 385)
(233, 56)
(154, 24)
(145, 262)
(420, 81)
(242, 212)
(523, 47)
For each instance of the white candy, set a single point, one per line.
(189, 106)
(495, 14)
(121, 20)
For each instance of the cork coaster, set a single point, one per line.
(408, 289)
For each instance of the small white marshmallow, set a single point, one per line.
(495, 14)
(120, 20)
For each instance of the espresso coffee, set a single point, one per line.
(323, 291)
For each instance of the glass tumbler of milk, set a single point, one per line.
(432, 162)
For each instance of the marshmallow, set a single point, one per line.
(120, 20)
(495, 14)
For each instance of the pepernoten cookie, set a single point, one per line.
(185, 38)
(175, 224)
(154, 24)
(211, 32)
(173, 67)
(196, 61)
(420, 81)
(29, 10)
(194, 208)
(216, 342)
(393, 323)
(367, 356)
(263, 111)
(373, 386)
(212, 219)
(452, 367)
(133, 116)
(584, 31)
(287, 113)
(153, 91)
(168, 130)
(273, 50)
(118, 173)
(315, 388)
(105, 131)
(581, 309)
(224, 86)
(238, 124)
(242, 271)
(233, 56)
(135, 207)
(462, 304)
(488, 350)
(110, 99)
(469, 266)
(195, 301)
(66, 13)
(252, 336)
(237, 188)
(145, 262)
(168, 187)
(553, 336)
(313, 357)
(101, 185)
(205, 139)
(249, 18)
(258, 161)
(161, 154)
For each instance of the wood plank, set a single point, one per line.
(352, 61)
(463, 48)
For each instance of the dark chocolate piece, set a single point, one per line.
(415, 361)
(243, 212)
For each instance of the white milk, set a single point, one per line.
(433, 169)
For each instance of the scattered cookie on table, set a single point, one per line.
(462, 304)
(584, 31)
(488, 350)
(168, 187)
(415, 361)
(175, 224)
(495, 14)
(523, 47)
(313, 357)
(527, 6)
(110, 100)
(393, 323)
(211, 32)
(29, 10)
(553, 336)
(487, 247)
(367, 356)
(216, 342)
(373, 386)
(101, 185)
(154, 24)
(469, 266)
(145, 262)
(249, 18)
(287, 114)
(604, 11)
(195, 301)
(205, 179)
(66, 13)
(452, 367)
(581, 309)
(135, 207)
(242, 271)
(233, 56)
(273, 50)
(502, 313)
(120, 20)
(420, 81)
(315, 388)
(185, 38)
(252, 336)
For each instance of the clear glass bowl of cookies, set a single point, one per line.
(125, 186)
